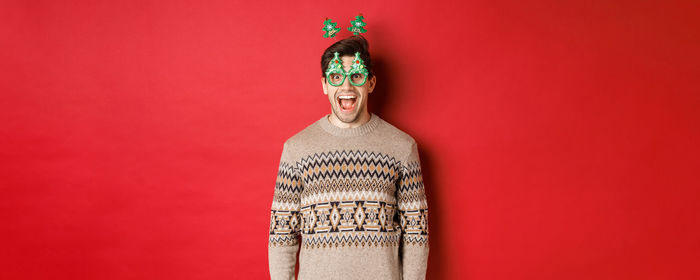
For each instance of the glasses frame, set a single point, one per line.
(336, 67)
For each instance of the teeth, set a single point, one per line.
(346, 97)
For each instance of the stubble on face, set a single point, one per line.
(345, 117)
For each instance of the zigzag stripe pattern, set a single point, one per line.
(316, 198)
(287, 188)
(283, 240)
(414, 240)
(351, 185)
(354, 239)
(348, 164)
(410, 190)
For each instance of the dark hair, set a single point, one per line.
(348, 46)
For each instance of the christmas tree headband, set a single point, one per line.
(335, 74)
(356, 27)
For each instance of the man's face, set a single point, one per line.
(348, 110)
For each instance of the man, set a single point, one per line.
(350, 186)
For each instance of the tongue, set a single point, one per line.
(347, 103)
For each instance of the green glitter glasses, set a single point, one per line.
(335, 74)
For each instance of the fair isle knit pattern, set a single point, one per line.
(352, 201)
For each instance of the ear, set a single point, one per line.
(372, 83)
(324, 85)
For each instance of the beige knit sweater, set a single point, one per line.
(355, 196)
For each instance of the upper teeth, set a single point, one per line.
(346, 97)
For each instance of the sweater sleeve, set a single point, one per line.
(283, 243)
(413, 215)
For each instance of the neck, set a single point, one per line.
(361, 119)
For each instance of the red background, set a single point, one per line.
(140, 139)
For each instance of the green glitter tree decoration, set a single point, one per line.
(357, 25)
(330, 28)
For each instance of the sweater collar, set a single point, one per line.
(370, 125)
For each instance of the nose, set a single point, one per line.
(346, 84)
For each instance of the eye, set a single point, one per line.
(356, 76)
(335, 77)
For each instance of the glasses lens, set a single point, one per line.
(358, 79)
(335, 79)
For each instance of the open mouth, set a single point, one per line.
(347, 103)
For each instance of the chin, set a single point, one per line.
(346, 118)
